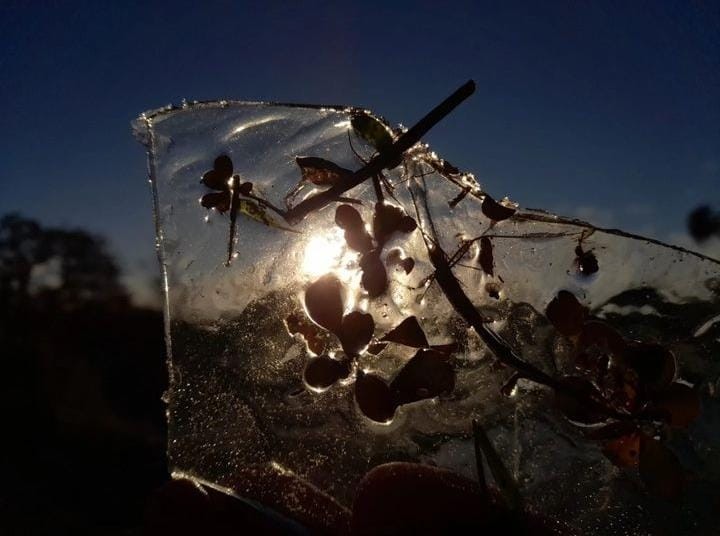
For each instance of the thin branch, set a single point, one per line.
(384, 158)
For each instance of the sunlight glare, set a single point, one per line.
(323, 253)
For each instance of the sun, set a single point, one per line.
(323, 253)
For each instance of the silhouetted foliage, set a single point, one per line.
(83, 373)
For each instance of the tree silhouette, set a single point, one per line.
(78, 268)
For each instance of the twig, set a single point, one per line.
(384, 158)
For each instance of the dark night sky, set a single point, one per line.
(605, 110)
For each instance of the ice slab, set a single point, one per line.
(277, 357)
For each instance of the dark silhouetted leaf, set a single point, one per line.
(245, 188)
(220, 201)
(315, 338)
(321, 372)
(389, 219)
(654, 364)
(660, 469)
(566, 313)
(486, 256)
(372, 130)
(356, 332)
(680, 404)
(394, 257)
(324, 303)
(374, 397)
(218, 177)
(321, 172)
(623, 451)
(573, 405)
(426, 375)
(374, 277)
(492, 289)
(349, 219)
(586, 261)
(496, 211)
(409, 333)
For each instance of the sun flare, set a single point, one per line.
(323, 253)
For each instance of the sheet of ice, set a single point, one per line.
(237, 396)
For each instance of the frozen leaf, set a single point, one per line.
(321, 172)
(374, 277)
(349, 219)
(409, 333)
(486, 256)
(220, 201)
(258, 213)
(389, 219)
(321, 372)
(356, 331)
(219, 176)
(566, 313)
(324, 302)
(426, 375)
(372, 130)
(245, 188)
(660, 469)
(496, 211)
(586, 261)
(493, 290)
(374, 397)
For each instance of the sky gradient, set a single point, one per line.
(603, 110)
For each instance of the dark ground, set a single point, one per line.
(83, 375)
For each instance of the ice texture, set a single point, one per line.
(237, 397)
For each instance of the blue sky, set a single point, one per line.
(607, 110)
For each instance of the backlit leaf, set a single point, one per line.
(374, 277)
(324, 302)
(321, 172)
(372, 130)
(496, 211)
(374, 398)
(426, 375)
(356, 332)
(321, 372)
(408, 333)
(566, 313)
(486, 255)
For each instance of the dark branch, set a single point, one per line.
(384, 158)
